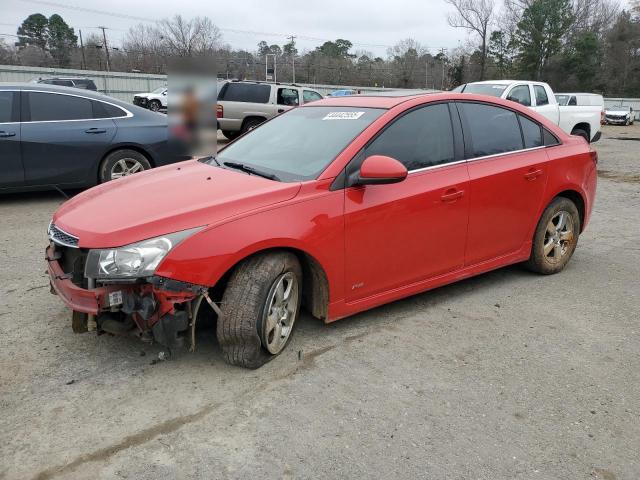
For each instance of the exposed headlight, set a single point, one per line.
(137, 260)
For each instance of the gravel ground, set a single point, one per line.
(508, 375)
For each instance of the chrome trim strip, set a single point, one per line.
(479, 158)
(128, 113)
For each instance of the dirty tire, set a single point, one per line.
(129, 156)
(553, 262)
(581, 133)
(230, 135)
(155, 105)
(250, 124)
(244, 306)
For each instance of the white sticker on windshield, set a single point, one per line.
(343, 115)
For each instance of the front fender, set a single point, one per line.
(313, 226)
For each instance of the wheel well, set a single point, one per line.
(315, 286)
(254, 117)
(140, 150)
(578, 201)
(583, 126)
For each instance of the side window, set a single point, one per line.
(106, 110)
(309, 96)
(62, 83)
(572, 101)
(6, 107)
(520, 94)
(531, 131)
(51, 106)
(288, 96)
(245, 92)
(421, 138)
(541, 95)
(493, 130)
(549, 138)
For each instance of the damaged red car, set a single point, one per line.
(337, 207)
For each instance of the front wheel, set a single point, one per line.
(155, 105)
(259, 308)
(555, 238)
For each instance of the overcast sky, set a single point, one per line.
(370, 25)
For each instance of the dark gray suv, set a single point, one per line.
(61, 137)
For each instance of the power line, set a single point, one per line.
(229, 30)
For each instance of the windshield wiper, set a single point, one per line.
(210, 157)
(251, 170)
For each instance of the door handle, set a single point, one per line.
(532, 174)
(96, 130)
(452, 195)
(280, 110)
(7, 134)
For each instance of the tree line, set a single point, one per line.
(575, 45)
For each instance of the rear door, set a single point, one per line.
(11, 169)
(507, 176)
(62, 141)
(406, 232)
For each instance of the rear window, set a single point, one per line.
(493, 89)
(86, 84)
(52, 106)
(245, 92)
(6, 107)
(493, 130)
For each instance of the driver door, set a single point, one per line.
(398, 234)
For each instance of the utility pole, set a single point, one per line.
(443, 51)
(293, 56)
(426, 72)
(84, 60)
(106, 47)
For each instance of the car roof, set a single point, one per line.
(44, 87)
(371, 101)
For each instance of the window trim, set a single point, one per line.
(464, 126)
(128, 114)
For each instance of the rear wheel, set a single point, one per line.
(556, 237)
(581, 133)
(230, 135)
(259, 308)
(122, 163)
(250, 124)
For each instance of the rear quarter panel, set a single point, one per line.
(571, 167)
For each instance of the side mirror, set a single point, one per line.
(380, 169)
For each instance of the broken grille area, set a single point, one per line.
(62, 238)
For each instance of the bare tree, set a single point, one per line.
(476, 16)
(187, 38)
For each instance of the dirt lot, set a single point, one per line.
(505, 376)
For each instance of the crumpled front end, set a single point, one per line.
(153, 308)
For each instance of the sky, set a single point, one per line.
(370, 25)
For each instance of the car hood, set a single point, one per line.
(616, 112)
(165, 200)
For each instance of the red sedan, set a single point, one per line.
(338, 207)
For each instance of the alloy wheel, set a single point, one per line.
(125, 167)
(558, 237)
(280, 314)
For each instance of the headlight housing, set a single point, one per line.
(137, 260)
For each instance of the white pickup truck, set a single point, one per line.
(582, 120)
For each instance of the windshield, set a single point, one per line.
(159, 90)
(493, 89)
(300, 144)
